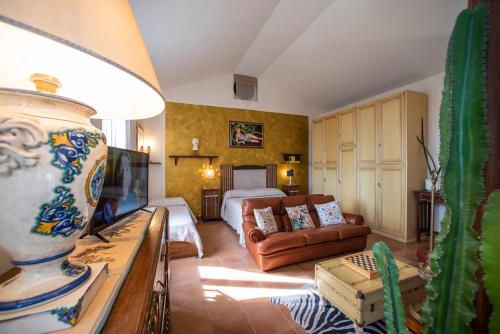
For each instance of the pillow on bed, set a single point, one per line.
(299, 217)
(329, 213)
(265, 220)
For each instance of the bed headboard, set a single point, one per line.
(248, 176)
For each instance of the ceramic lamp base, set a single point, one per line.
(40, 283)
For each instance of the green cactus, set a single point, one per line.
(489, 259)
(393, 305)
(464, 149)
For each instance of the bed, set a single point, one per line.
(240, 182)
(181, 221)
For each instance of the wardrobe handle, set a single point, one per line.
(379, 185)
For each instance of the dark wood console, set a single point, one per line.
(142, 305)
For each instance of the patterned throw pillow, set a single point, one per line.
(265, 220)
(299, 217)
(329, 213)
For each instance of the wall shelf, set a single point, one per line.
(177, 157)
(291, 158)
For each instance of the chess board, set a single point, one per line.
(363, 264)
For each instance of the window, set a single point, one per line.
(116, 132)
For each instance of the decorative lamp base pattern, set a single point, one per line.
(52, 167)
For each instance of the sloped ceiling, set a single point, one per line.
(311, 56)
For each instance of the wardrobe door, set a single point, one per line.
(347, 127)
(392, 201)
(317, 180)
(391, 129)
(367, 195)
(317, 142)
(367, 134)
(347, 179)
(331, 181)
(331, 136)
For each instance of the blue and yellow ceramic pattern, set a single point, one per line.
(60, 216)
(68, 315)
(71, 269)
(71, 148)
(95, 181)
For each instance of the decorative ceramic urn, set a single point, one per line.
(52, 167)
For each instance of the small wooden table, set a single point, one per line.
(359, 298)
(291, 189)
(424, 210)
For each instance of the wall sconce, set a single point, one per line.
(208, 172)
(289, 173)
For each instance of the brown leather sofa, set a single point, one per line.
(287, 246)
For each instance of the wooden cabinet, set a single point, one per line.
(347, 179)
(317, 142)
(331, 138)
(142, 305)
(291, 189)
(391, 129)
(210, 203)
(367, 133)
(367, 194)
(347, 128)
(369, 159)
(331, 181)
(391, 163)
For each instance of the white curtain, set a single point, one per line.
(116, 132)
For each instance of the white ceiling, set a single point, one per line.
(325, 53)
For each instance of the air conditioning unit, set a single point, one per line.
(245, 87)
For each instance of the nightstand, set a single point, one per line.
(210, 203)
(291, 189)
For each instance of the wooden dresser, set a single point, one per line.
(142, 305)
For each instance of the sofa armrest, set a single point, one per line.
(352, 218)
(254, 234)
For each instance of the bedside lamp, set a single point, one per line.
(289, 173)
(61, 63)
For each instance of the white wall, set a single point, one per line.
(154, 136)
(433, 87)
(218, 91)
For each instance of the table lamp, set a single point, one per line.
(289, 173)
(62, 62)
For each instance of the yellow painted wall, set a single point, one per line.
(282, 134)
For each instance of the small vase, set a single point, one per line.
(52, 167)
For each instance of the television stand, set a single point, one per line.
(100, 237)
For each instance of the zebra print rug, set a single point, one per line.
(306, 311)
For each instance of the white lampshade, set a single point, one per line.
(93, 47)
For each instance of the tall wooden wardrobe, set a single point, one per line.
(368, 157)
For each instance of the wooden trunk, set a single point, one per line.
(359, 298)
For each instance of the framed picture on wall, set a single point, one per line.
(246, 134)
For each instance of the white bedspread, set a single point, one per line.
(231, 210)
(181, 221)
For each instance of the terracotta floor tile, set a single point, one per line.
(236, 324)
(268, 319)
(201, 305)
(221, 307)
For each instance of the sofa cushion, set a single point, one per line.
(299, 217)
(318, 235)
(280, 241)
(248, 205)
(329, 213)
(347, 231)
(318, 199)
(265, 220)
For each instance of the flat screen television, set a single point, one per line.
(125, 188)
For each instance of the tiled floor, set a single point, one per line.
(225, 292)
